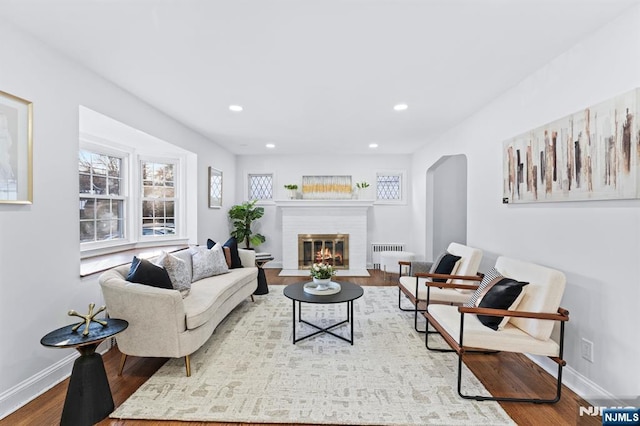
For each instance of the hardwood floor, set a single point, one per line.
(500, 373)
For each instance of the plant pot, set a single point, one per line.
(321, 283)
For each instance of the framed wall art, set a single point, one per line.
(16, 150)
(593, 154)
(215, 188)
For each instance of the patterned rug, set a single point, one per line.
(249, 371)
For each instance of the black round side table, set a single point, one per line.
(89, 398)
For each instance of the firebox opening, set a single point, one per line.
(328, 248)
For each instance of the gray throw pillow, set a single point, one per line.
(208, 262)
(178, 272)
(488, 278)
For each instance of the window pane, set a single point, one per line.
(85, 183)
(87, 208)
(114, 166)
(389, 187)
(87, 231)
(147, 209)
(260, 187)
(114, 186)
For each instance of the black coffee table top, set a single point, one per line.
(65, 338)
(347, 293)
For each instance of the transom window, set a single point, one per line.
(158, 198)
(260, 187)
(389, 186)
(102, 200)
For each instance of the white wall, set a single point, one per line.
(596, 244)
(386, 223)
(39, 243)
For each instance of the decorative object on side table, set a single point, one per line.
(89, 398)
(321, 274)
(90, 317)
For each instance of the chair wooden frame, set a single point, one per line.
(561, 316)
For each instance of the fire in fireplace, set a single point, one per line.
(328, 248)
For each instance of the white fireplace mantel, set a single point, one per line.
(325, 217)
(323, 203)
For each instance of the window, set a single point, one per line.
(260, 187)
(158, 198)
(389, 187)
(102, 200)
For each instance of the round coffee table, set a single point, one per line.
(348, 293)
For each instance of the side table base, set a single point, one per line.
(89, 397)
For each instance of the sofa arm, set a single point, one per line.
(156, 316)
(247, 257)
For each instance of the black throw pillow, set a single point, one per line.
(232, 243)
(144, 272)
(504, 294)
(210, 243)
(445, 266)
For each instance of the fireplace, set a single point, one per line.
(328, 248)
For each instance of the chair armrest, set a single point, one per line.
(562, 315)
(452, 277)
(404, 263)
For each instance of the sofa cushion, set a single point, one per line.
(144, 272)
(208, 294)
(208, 262)
(500, 293)
(226, 249)
(232, 243)
(177, 270)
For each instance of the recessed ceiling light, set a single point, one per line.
(235, 108)
(400, 107)
(270, 145)
(373, 145)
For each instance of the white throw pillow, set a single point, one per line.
(208, 262)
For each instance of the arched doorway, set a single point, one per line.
(446, 204)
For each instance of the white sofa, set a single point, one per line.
(164, 324)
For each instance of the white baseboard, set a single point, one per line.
(36, 385)
(582, 386)
(29, 389)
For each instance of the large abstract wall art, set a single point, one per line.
(593, 154)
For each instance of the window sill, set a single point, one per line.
(100, 263)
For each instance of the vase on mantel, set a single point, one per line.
(321, 283)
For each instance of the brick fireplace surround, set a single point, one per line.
(325, 217)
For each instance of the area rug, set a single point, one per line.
(250, 371)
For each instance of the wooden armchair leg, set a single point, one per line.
(187, 363)
(252, 298)
(123, 359)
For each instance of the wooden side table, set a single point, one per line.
(89, 398)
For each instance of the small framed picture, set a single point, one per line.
(215, 188)
(16, 150)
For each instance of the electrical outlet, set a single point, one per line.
(586, 349)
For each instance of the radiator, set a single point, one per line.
(377, 248)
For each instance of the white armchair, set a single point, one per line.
(529, 328)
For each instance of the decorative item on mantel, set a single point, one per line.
(326, 187)
(321, 274)
(293, 188)
(88, 318)
(361, 187)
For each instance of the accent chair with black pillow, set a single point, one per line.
(458, 265)
(527, 299)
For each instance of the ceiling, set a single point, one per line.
(314, 75)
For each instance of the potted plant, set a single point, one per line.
(361, 187)
(321, 274)
(292, 187)
(242, 216)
